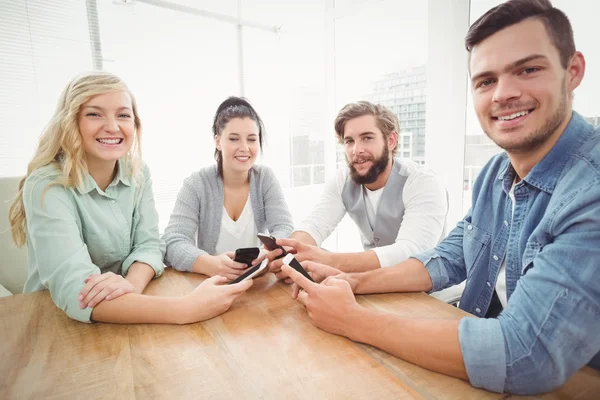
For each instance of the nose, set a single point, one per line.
(112, 125)
(506, 90)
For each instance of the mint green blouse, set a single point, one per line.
(82, 231)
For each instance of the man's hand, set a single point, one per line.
(331, 306)
(318, 272)
(302, 252)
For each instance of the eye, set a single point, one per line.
(485, 83)
(124, 116)
(92, 114)
(233, 139)
(368, 138)
(529, 70)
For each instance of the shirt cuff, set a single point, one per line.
(150, 258)
(312, 232)
(482, 345)
(386, 256)
(72, 308)
(436, 269)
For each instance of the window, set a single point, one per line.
(42, 46)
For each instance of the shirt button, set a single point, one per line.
(488, 284)
(113, 201)
(376, 239)
(506, 223)
(478, 310)
(469, 227)
(495, 257)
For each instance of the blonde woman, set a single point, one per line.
(86, 212)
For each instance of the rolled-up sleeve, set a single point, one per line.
(148, 247)
(446, 263)
(62, 268)
(423, 221)
(277, 214)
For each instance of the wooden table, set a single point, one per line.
(264, 347)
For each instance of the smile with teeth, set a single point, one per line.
(110, 141)
(242, 158)
(512, 116)
(361, 161)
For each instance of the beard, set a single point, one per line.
(379, 165)
(539, 136)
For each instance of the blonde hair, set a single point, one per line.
(386, 120)
(60, 143)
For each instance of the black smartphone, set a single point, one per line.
(271, 244)
(246, 255)
(251, 272)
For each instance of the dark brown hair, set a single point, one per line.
(514, 11)
(386, 120)
(234, 107)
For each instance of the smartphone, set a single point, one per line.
(271, 244)
(246, 255)
(292, 262)
(253, 271)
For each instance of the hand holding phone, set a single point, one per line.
(246, 255)
(270, 244)
(252, 272)
(291, 261)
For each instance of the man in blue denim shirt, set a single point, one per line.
(535, 221)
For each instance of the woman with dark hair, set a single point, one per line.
(223, 207)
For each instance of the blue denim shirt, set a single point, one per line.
(550, 327)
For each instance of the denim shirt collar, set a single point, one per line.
(90, 184)
(544, 175)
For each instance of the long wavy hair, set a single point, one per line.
(61, 145)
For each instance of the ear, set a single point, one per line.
(575, 71)
(392, 140)
(218, 142)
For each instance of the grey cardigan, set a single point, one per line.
(199, 209)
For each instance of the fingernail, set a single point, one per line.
(91, 304)
(108, 297)
(81, 305)
(80, 297)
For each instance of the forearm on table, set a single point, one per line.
(133, 308)
(139, 275)
(352, 262)
(431, 344)
(408, 276)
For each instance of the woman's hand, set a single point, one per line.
(211, 298)
(222, 265)
(106, 286)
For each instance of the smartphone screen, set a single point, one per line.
(251, 272)
(271, 244)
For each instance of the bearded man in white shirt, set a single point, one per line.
(398, 205)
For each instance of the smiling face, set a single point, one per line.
(367, 151)
(520, 90)
(107, 127)
(239, 144)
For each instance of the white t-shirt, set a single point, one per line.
(425, 208)
(501, 281)
(237, 234)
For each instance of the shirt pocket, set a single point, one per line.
(532, 249)
(97, 247)
(475, 241)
